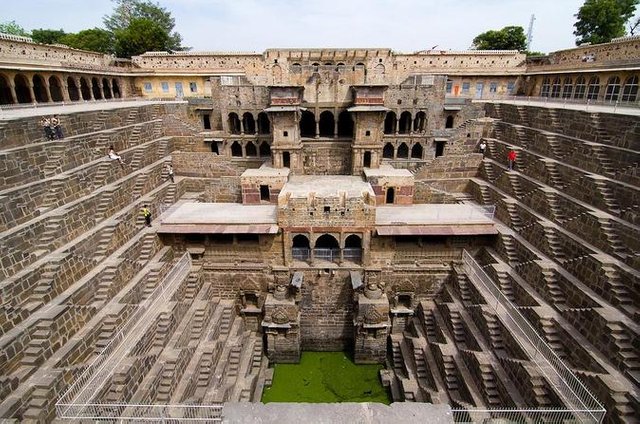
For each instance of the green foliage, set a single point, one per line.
(598, 21)
(507, 38)
(47, 36)
(127, 11)
(141, 35)
(96, 39)
(532, 54)
(12, 28)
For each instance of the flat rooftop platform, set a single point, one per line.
(433, 219)
(326, 186)
(266, 170)
(26, 111)
(220, 218)
(387, 171)
(558, 103)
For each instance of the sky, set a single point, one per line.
(255, 25)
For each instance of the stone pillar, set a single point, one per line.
(241, 125)
(397, 124)
(31, 92)
(101, 88)
(65, 91)
(371, 326)
(12, 89)
(317, 129)
(47, 90)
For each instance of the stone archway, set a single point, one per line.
(40, 89)
(5, 91)
(23, 93)
(55, 88)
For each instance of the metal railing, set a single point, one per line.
(77, 400)
(141, 412)
(353, 254)
(516, 416)
(581, 404)
(559, 102)
(301, 253)
(326, 254)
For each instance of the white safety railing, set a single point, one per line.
(75, 401)
(139, 412)
(614, 106)
(326, 254)
(300, 253)
(516, 416)
(582, 405)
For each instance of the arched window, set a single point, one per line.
(594, 88)
(449, 122)
(74, 92)
(353, 241)
(85, 89)
(390, 122)
(300, 247)
(264, 125)
(236, 149)
(345, 124)
(327, 124)
(341, 67)
(327, 241)
(544, 90)
(416, 151)
(387, 151)
(251, 149)
(390, 196)
(419, 123)
(95, 87)
(630, 90)
(613, 89)
(352, 248)
(106, 89)
(379, 69)
(405, 123)
(22, 89)
(5, 91)
(581, 88)
(307, 124)
(360, 67)
(315, 67)
(248, 123)
(296, 68)
(234, 123)
(55, 89)
(265, 149)
(403, 151)
(555, 87)
(567, 88)
(39, 90)
(115, 87)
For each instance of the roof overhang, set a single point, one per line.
(437, 230)
(218, 229)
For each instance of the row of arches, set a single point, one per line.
(249, 125)
(326, 125)
(327, 66)
(22, 88)
(405, 123)
(326, 247)
(402, 151)
(247, 149)
(581, 88)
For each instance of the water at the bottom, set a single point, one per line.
(326, 377)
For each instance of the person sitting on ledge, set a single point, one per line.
(114, 156)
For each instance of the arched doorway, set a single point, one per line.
(307, 124)
(419, 123)
(95, 87)
(416, 151)
(5, 91)
(251, 149)
(74, 92)
(248, 123)
(264, 126)
(405, 123)
(403, 151)
(327, 124)
(84, 89)
(387, 151)
(39, 89)
(106, 89)
(352, 248)
(234, 123)
(236, 150)
(300, 247)
(449, 122)
(390, 121)
(265, 149)
(55, 89)
(390, 196)
(345, 124)
(22, 89)
(116, 88)
(327, 248)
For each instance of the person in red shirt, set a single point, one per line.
(511, 157)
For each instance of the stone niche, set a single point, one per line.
(263, 185)
(371, 325)
(391, 186)
(281, 325)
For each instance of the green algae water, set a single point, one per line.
(326, 377)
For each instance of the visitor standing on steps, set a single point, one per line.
(511, 157)
(170, 172)
(57, 128)
(114, 156)
(46, 127)
(482, 147)
(146, 212)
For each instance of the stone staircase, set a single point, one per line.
(554, 175)
(107, 277)
(105, 201)
(54, 193)
(553, 288)
(34, 352)
(104, 241)
(55, 153)
(495, 332)
(98, 124)
(489, 386)
(552, 338)
(555, 246)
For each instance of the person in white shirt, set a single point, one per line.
(114, 156)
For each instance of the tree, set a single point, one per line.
(508, 38)
(141, 35)
(634, 25)
(598, 21)
(126, 11)
(47, 36)
(96, 39)
(13, 28)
